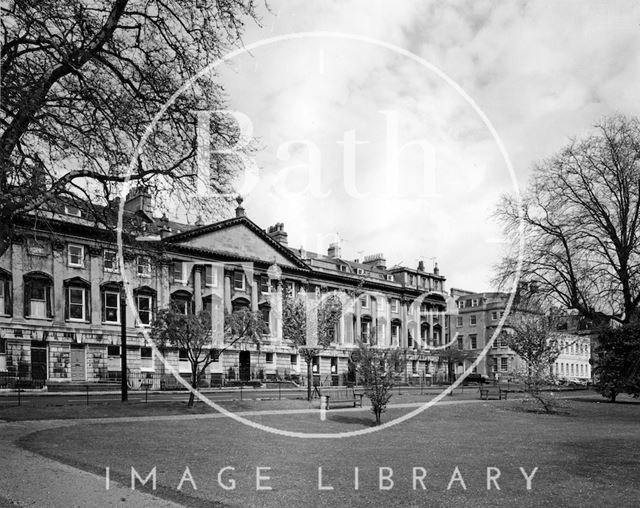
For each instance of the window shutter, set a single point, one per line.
(47, 296)
(87, 305)
(104, 304)
(27, 298)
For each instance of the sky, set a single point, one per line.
(387, 133)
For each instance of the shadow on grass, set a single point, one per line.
(353, 420)
(603, 400)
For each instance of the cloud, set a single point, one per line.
(541, 71)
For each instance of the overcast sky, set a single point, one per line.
(540, 71)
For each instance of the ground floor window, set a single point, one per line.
(269, 357)
(315, 365)
(334, 365)
(146, 358)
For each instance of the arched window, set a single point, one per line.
(5, 293)
(265, 312)
(37, 295)
(395, 332)
(239, 304)
(77, 307)
(365, 329)
(182, 302)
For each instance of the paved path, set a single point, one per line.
(29, 479)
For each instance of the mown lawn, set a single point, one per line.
(587, 457)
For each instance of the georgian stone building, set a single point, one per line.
(61, 305)
(478, 316)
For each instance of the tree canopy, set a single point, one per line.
(580, 216)
(81, 81)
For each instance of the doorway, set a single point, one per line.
(38, 360)
(245, 365)
(77, 360)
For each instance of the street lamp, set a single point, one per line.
(123, 344)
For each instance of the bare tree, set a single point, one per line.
(187, 332)
(580, 219)
(378, 369)
(535, 339)
(294, 327)
(81, 82)
(193, 333)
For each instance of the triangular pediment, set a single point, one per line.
(238, 238)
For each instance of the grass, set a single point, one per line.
(47, 409)
(589, 456)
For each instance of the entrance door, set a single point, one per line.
(77, 360)
(38, 361)
(245, 365)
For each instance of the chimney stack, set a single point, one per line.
(278, 233)
(164, 228)
(138, 200)
(334, 250)
(376, 260)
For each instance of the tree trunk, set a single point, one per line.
(194, 385)
(309, 378)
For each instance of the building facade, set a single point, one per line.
(478, 317)
(61, 309)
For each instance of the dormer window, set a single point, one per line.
(343, 268)
(359, 271)
(390, 277)
(74, 211)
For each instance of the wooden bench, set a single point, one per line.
(352, 397)
(493, 391)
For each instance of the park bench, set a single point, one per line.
(493, 391)
(348, 396)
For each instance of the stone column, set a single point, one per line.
(95, 271)
(387, 307)
(404, 337)
(358, 330)
(57, 293)
(430, 321)
(197, 287)
(254, 293)
(277, 312)
(164, 292)
(227, 292)
(17, 271)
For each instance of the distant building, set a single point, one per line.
(479, 315)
